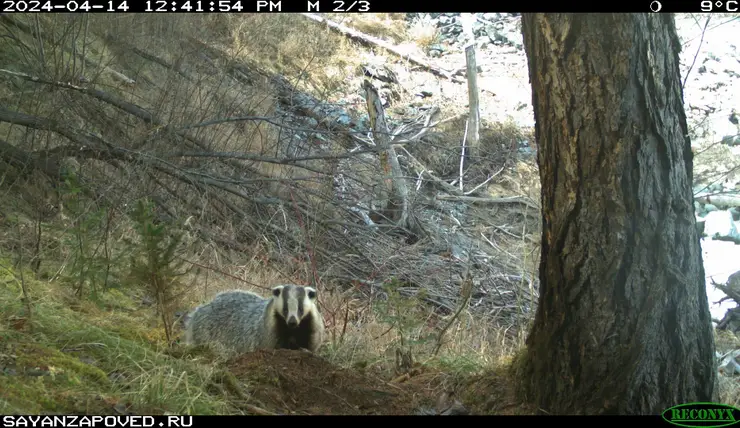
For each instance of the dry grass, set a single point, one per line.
(729, 386)
(423, 32)
(359, 330)
(312, 58)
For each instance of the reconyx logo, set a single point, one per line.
(702, 415)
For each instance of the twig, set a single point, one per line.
(703, 32)
(505, 231)
(506, 200)
(419, 180)
(490, 177)
(419, 167)
(467, 289)
(462, 155)
(257, 410)
(24, 287)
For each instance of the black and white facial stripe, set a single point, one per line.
(294, 302)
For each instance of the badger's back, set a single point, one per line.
(233, 320)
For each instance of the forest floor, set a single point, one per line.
(107, 358)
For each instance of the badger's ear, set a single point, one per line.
(311, 293)
(276, 290)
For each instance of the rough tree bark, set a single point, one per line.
(623, 324)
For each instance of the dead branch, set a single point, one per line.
(24, 161)
(91, 147)
(51, 125)
(421, 169)
(467, 291)
(732, 294)
(41, 36)
(148, 117)
(395, 184)
(507, 200)
(723, 201)
(473, 109)
(150, 57)
(95, 93)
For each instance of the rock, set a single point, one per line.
(709, 208)
(735, 213)
(448, 405)
(729, 365)
(700, 225)
(425, 92)
(515, 38)
(721, 201)
(731, 140)
(497, 38)
(380, 72)
(479, 28)
(311, 122)
(458, 252)
(720, 226)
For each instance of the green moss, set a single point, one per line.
(40, 379)
(458, 364)
(89, 359)
(60, 365)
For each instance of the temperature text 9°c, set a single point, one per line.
(719, 6)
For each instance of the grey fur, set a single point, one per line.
(242, 321)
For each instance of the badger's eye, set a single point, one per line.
(311, 294)
(276, 292)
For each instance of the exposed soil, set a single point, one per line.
(298, 382)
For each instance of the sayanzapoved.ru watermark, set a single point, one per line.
(70, 421)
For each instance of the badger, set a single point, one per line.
(241, 321)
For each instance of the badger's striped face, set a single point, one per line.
(293, 303)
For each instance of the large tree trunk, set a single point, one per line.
(623, 324)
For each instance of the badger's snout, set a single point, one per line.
(292, 321)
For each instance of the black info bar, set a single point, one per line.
(364, 6)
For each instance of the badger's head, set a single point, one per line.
(293, 303)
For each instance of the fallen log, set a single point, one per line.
(376, 42)
(506, 200)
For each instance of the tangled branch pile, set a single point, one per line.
(240, 157)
